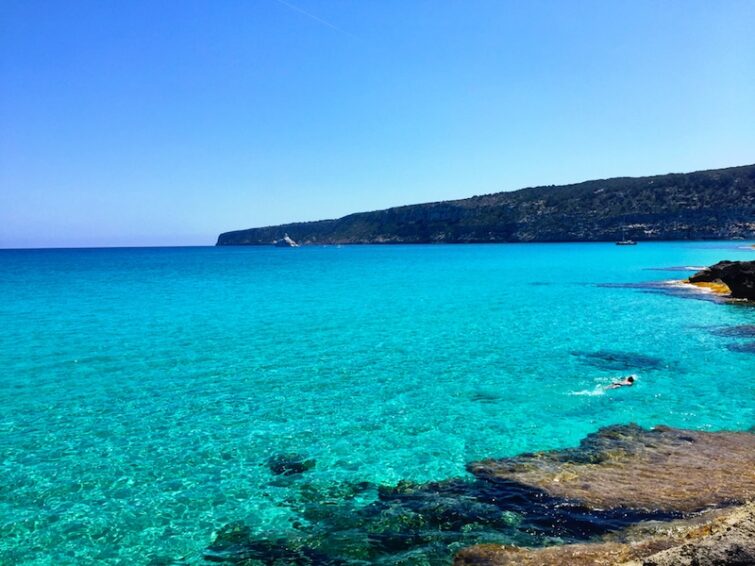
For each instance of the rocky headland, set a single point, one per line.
(716, 204)
(733, 278)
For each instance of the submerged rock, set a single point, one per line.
(290, 464)
(610, 360)
(746, 348)
(268, 552)
(742, 331)
(617, 477)
(738, 276)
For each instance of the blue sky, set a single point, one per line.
(166, 122)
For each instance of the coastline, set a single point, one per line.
(625, 495)
(714, 482)
(708, 476)
(718, 291)
(716, 536)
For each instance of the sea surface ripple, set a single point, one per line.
(143, 390)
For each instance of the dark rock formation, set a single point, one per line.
(233, 544)
(716, 204)
(415, 523)
(710, 274)
(738, 276)
(741, 331)
(746, 348)
(289, 464)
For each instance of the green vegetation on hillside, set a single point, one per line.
(715, 204)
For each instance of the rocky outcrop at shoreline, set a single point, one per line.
(586, 500)
(630, 467)
(737, 276)
(716, 537)
(662, 469)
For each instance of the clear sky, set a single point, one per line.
(167, 122)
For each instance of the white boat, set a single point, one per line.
(624, 241)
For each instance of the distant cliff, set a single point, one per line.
(715, 204)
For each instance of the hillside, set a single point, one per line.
(714, 204)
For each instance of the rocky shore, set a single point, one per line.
(715, 537)
(656, 497)
(696, 473)
(661, 469)
(734, 278)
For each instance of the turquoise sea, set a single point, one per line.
(142, 391)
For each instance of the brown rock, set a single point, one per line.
(630, 467)
(731, 541)
(713, 538)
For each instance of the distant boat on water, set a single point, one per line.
(624, 241)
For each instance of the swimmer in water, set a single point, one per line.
(626, 382)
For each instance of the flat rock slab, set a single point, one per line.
(661, 469)
(712, 539)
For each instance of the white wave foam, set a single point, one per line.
(599, 390)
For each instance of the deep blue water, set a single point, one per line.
(143, 390)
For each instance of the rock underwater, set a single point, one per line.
(620, 361)
(290, 464)
(627, 466)
(618, 477)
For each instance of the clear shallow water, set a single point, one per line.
(143, 390)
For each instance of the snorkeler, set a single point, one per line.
(626, 382)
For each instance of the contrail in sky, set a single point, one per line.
(313, 17)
